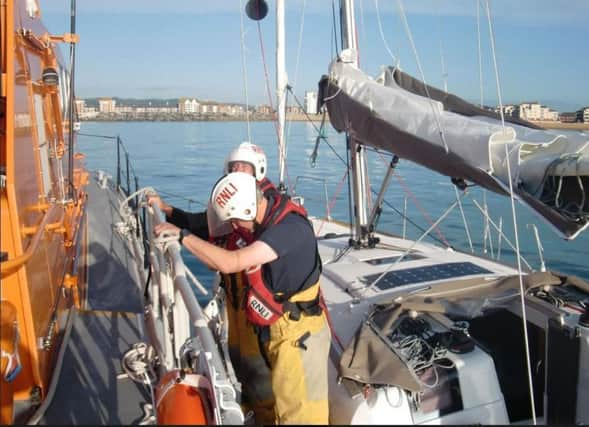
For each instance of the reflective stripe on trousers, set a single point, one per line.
(250, 367)
(299, 370)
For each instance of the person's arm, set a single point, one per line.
(220, 259)
(195, 222)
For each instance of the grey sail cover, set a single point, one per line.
(393, 112)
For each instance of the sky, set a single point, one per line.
(198, 48)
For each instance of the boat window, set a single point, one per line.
(428, 273)
(42, 144)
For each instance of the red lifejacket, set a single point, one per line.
(267, 187)
(237, 239)
(263, 308)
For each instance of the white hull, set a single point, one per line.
(474, 394)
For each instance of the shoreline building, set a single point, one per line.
(188, 106)
(534, 111)
(311, 102)
(583, 115)
(107, 105)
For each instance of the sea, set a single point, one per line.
(183, 160)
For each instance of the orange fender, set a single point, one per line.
(9, 362)
(183, 400)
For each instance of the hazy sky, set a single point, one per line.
(192, 48)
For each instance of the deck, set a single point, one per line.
(91, 389)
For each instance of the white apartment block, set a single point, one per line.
(311, 102)
(187, 105)
(209, 108)
(85, 112)
(106, 105)
(154, 109)
(508, 110)
(535, 111)
(124, 109)
(80, 105)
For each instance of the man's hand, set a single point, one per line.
(165, 228)
(155, 200)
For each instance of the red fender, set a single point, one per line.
(183, 400)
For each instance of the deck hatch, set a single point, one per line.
(425, 274)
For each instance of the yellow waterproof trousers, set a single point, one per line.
(244, 350)
(298, 352)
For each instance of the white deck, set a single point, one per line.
(348, 295)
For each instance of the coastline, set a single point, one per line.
(560, 125)
(161, 117)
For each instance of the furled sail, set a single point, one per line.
(397, 113)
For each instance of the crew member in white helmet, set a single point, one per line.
(283, 298)
(250, 367)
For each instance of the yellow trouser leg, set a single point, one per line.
(250, 367)
(299, 375)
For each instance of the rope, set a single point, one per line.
(36, 417)
(417, 352)
(139, 363)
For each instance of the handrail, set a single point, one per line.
(11, 266)
(190, 305)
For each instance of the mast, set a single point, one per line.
(281, 83)
(359, 175)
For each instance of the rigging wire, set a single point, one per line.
(296, 74)
(382, 36)
(486, 232)
(464, 220)
(244, 68)
(335, 32)
(439, 27)
(423, 212)
(501, 234)
(431, 102)
(266, 78)
(333, 200)
(318, 129)
(362, 25)
(512, 198)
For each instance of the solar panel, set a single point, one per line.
(391, 259)
(429, 273)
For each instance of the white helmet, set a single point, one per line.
(248, 153)
(234, 197)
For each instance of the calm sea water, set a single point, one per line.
(183, 160)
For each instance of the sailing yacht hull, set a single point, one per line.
(481, 378)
